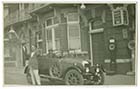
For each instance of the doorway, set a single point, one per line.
(98, 47)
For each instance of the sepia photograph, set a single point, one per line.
(70, 44)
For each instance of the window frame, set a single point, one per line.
(70, 23)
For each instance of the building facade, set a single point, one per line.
(103, 31)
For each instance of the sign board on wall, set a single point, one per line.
(120, 16)
(125, 34)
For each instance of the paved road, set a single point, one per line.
(15, 76)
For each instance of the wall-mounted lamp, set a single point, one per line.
(82, 6)
(12, 33)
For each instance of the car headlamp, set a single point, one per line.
(97, 69)
(85, 63)
(87, 69)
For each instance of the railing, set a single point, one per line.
(21, 15)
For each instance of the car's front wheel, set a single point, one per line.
(99, 79)
(74, 77)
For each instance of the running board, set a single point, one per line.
(55, 78)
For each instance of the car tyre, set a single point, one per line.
(54, 71)
(99, 79)
(74, 77)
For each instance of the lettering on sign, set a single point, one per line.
(97, 23)
(120, 16)
(125, 34)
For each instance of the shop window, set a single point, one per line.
(74, 30)
(74, 36)
(50, 39)
(73, 17)
(49, 34)
(39, 35)
(74, 43)
(49, 43)
(56, 20)
(52, 21)
(49, 22)
(63, 18)
(39, 39)
(57, 44)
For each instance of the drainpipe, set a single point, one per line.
(53, 39)
(91, 51)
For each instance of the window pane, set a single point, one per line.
(57, 32)
(73, 30)
(49, 45)
(73, 17)
(49, 22)
(49, 34)
(57, 44)
(40, 46)
(56, 20)
(74, 43)
(63, 19)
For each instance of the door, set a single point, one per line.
(98, 48)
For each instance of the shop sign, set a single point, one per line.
(120, 16)
(97, 23)
(125, 34)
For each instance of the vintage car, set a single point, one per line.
(72, 68)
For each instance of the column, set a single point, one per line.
(53, 39)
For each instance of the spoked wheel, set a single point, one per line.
(99, 79)
(73, 77)
(54, 71)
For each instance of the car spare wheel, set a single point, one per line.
(74, 77)
(54, 71)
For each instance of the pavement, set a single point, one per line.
(16, 76)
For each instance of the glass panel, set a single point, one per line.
(74, 43)
(63, 19)
(57, 44)
(72, 17)
(49, 22)
(56, 20)
(49, 34)
(49, 44)
(73, 30)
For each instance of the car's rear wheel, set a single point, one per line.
(54, 71)
(74, 77)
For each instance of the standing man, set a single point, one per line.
(33, 64)
(24, 53)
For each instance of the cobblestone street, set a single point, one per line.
(16, 76)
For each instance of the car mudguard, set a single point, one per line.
(72, 67)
